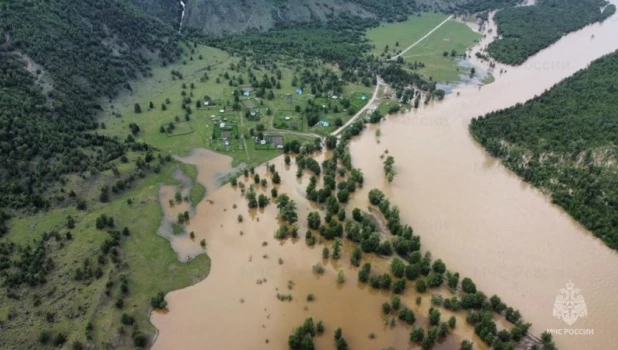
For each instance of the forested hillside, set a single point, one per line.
(58, 60)
(168, 11)
(566, 143)
(528, 29)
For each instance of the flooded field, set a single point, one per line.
(212, 169)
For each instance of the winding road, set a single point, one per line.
(380, 83)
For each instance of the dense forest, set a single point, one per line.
(168, 11)
(475, 6)
(565, 142)
(58, 60)
(341, 41)
(527, 30)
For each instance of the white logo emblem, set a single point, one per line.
(569, 304)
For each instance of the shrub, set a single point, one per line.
(468, 286)
(386, 308)
(395, 302)
(318, 268)
(158, 302)
(407, 315)
(127, 320)
(421, 286)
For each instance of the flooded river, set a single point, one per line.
(481, 218)
(469, 210)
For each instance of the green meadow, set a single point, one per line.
(429, 54)
(148, 263)
(398, 36)
(452, 36)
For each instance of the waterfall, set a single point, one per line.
(182, 16)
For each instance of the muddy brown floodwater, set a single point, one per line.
(212, 168)
(470, 211)
(236, 306)
(480, 218)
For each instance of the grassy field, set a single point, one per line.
(147, 261)
(404, 33)
(451, 36)
(167, 91)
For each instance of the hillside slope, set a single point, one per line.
(223, 16)
(235, 16)
(167, 11)
(58, 59)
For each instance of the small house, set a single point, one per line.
(206, 103)
(322, 123)
(222, 111)
(299, 91)
(364, 98)
(288, 118)
(222, 125)
(276, 140)
(263, 142)
(246, 93)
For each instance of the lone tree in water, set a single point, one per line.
(262, 200)
(389, 168)
(375, 196)
(340, 277)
